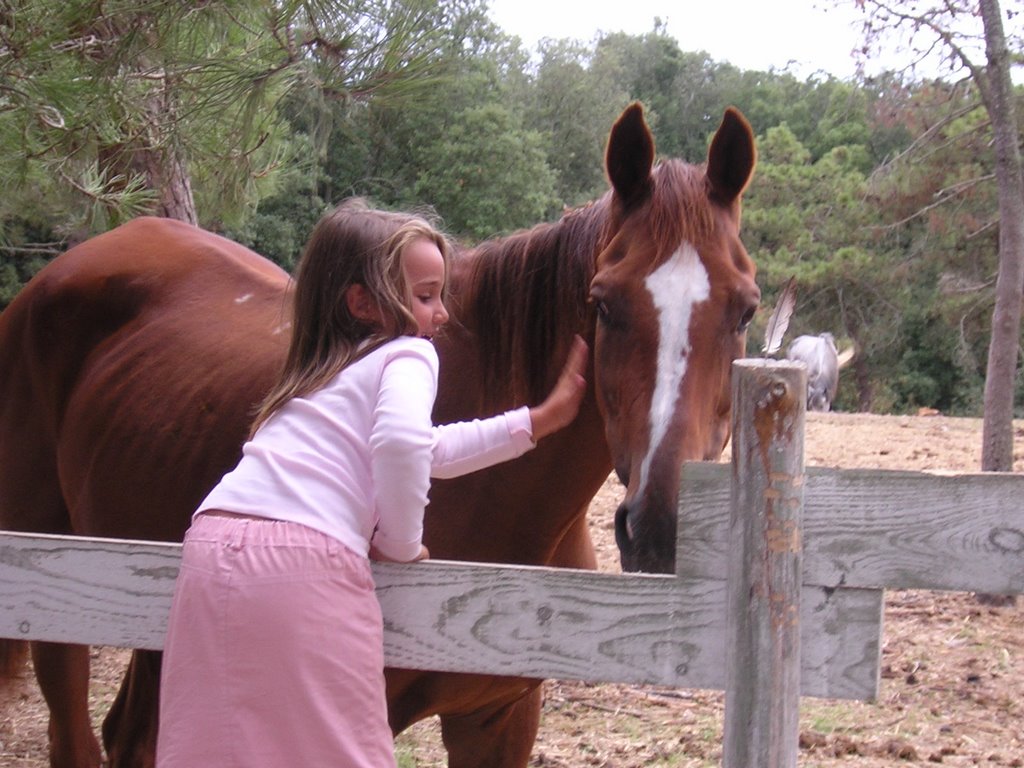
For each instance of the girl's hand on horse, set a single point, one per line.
(562, 405)
(380, 557)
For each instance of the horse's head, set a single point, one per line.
(674, 292)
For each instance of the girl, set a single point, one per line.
(274, 651)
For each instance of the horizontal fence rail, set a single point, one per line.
(455, 617)
(838, 537)
(877, 528)
(861, 533)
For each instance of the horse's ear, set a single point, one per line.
(731, 158)
(630, 155)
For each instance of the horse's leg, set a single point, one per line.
(31, 501)
(497, 737)
(129, 729)
(576, 548)
(62, 671)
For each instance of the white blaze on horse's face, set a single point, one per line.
(676, 288)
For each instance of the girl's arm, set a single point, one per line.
(401, 446)
(467, 446)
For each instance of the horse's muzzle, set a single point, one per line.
(647, 543)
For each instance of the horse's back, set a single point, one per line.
(114, 364)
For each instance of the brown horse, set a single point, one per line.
(130, 365)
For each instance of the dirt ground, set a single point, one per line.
(952, 679)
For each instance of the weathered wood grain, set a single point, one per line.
(90, 591)
(877, 528)
(536, 622)
(541, 622)
(762, 692)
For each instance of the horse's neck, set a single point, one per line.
(504, 347)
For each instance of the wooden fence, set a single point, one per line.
(778, 591)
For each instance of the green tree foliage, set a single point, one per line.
(681, 92)
(938, 199)
(130, 106)
(876, 194)
(489, 175)
(807, 219)
(649, 68)
(571, 106)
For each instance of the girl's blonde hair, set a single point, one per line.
(351, 245)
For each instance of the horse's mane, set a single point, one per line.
(525, 295)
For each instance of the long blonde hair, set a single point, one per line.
(353, 244)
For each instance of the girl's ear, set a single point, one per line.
(361, 305)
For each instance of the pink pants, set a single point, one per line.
(274, 653)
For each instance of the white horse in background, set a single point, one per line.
(820, 356)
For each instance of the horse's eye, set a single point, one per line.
(611, 310)
(745, 321)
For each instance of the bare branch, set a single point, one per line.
(942, 197)
(983, 230)
(40, 249)
(892, 16)
(963, 186)
(927, 136)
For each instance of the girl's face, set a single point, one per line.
(423, 265)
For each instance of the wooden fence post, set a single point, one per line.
(762, 698)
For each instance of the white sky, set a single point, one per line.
(751, 34)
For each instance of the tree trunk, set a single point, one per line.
(997, 431)
(163, 162)
(155, 154)
(167, 172)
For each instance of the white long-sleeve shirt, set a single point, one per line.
(354, 459)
